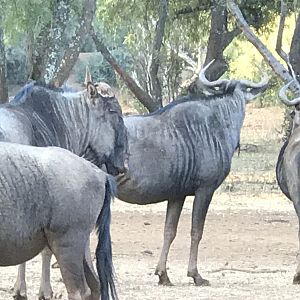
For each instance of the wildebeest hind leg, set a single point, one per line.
(296, 279)
(201, 203)
(91, 276)
(45, 292)
(20, 292)
(172, 217)
(69, 250)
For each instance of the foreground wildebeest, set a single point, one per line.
(288, 167)
(88, 123)
(45, 204)
(185, 149)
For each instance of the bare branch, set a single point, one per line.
(184, 56)
(187, 83)
(141, 95)
(189, 10)
(230, 35)
(263, 50)
(283, 15)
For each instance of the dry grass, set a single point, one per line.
(253, 171)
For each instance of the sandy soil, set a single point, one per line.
(248, 252)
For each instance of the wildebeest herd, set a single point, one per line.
(51, 199)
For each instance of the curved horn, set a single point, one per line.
(284, 98)
(262, 83)
(88, 76)
(211, 84)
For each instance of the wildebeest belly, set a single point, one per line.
(15, 248)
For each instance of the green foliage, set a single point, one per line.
(133, 23)
(100, 69)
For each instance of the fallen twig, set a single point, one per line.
(247, 270)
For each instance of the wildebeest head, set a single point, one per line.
(110, 127)
(295, 103)
(247, 89)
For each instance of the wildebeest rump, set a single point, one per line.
(288, 164)
(43, 204)
(185, 149)
(88, 123)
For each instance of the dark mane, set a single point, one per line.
(22, 94)
(193, 97)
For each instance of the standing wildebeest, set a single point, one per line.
(288, 167)
(44, 204)
(185, 149)
(88, 123)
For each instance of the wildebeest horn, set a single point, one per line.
(88, 76)
(211, 84)
(262, 83)
(284, 98)
(224, 82)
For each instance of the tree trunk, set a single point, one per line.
(56, 40)
(143, 97)
(264, 51)
(219, 39)
(3, 84)
(72, 53)
(37, 56)
(295, 49)
(156, 90)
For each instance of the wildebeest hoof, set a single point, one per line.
(296, 279)
(20, 296)
(163, 278)
(46, 295)
(199, 281)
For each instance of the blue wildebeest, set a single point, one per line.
(287, 168)
(45, 204)
(88, 123)
(185, 149)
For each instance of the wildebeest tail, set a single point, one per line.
(104, 251)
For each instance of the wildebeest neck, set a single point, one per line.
(58, 119)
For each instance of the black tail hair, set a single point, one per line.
(104, 251)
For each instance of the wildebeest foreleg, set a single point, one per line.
(20, 292)
(201, 203)
(296, 279)
(172, 217)
(45, 292)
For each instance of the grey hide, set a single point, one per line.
(185, 149)
(45, 204)
(88, 123)
(288, 165)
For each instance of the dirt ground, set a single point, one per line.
(248, 252)
(249, 246)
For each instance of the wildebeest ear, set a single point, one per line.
(92, 91)
(105, 90)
